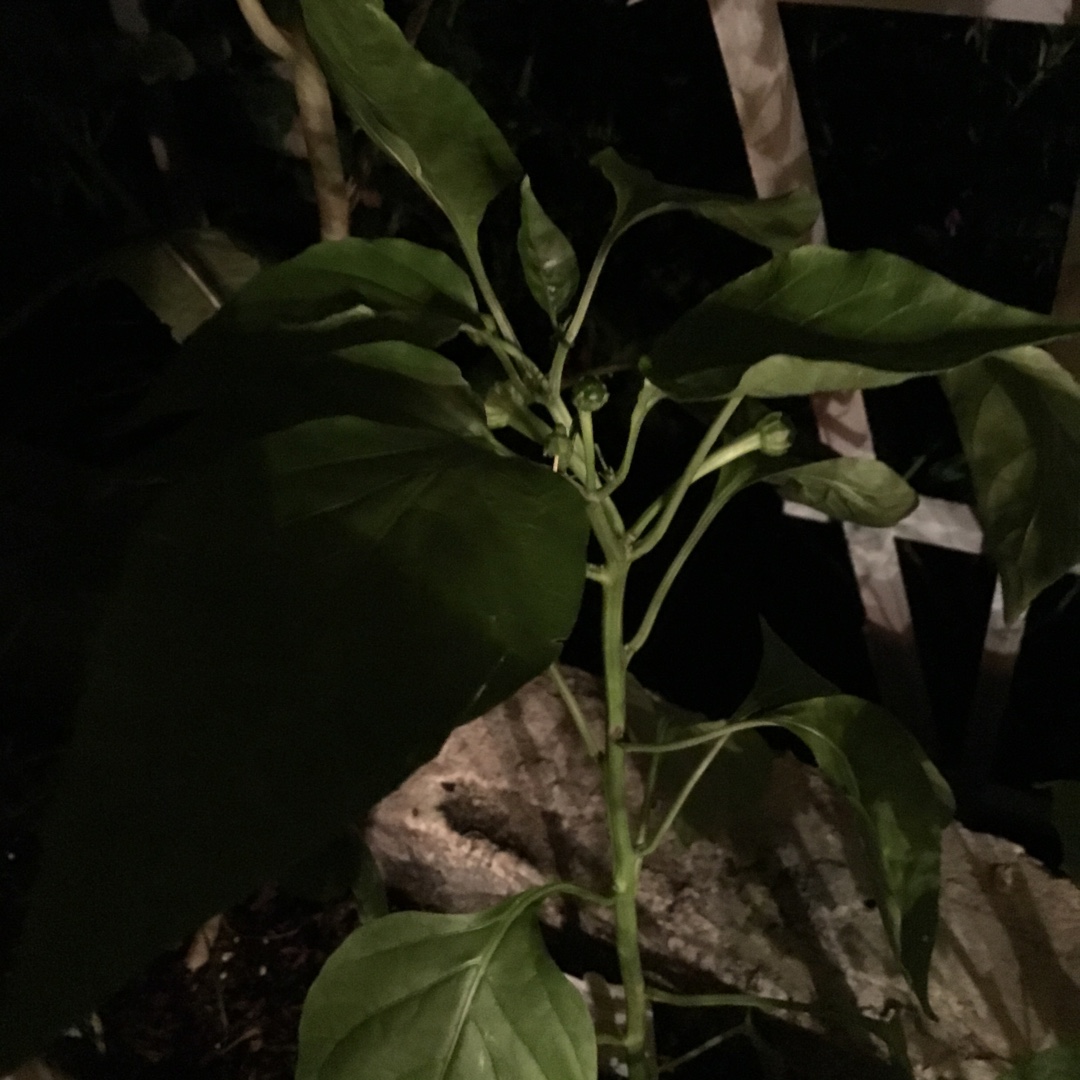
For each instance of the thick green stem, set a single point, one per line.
(626, 866)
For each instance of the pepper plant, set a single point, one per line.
(341, 553)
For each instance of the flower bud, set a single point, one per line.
(590, 394)
(502, 401)
(776, 434)
(558, 445)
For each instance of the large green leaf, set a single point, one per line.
(778, 223)
(416, 112)
(816, 319)
(184, 278)
(241, 393)
(295, 629)
(901, 801)
(447, 997)
(1057, 1063)
(347, 292)
(1019, 420)
(548, 260)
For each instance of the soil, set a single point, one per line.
(234, 1017)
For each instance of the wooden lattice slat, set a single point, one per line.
(751, 41)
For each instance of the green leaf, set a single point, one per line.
(783, 678)
(861, 490)
(778, 223)
(548, 260)
(901, 801)
(1018, 415)
(458, 997)
(1065, 814)
(347, 292)
(1057, 1063)
(295, 630)
(819, 320)
(418, 114)
(184, 278)
(243, 393)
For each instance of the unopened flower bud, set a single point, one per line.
(500, 404)
(776, 434)
(558, 445)
(590, 394)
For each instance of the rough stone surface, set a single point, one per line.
(512, 801)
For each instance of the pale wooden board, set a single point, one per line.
(1029, 11)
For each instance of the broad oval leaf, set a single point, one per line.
(778, 223)
(1018, 415)
(240, 393)
(819, 320)
(453, 997)
(901, 802)
(416, 112)
(347, 292)
(1057, 1063)
(861, 490)
(295, 629)
(183, 278)
(547, 259)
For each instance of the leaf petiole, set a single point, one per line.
(667, 505)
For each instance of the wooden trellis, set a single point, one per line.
(751, 41)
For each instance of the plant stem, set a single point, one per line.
(675, 809)
(521, 373)
(626, 865)
(709, 1044)
(650, 792)
(648, 397)
(577, 320)
(573, 707)
(585, 419)
(487, 290)
(670, 574)
(316, 112)
(748, 1001)
(667, 506)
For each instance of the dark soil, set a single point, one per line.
(234, 1018)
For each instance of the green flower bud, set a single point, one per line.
(558, 445)
(776, 434)
(590, 394)
(502, 401)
